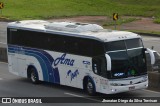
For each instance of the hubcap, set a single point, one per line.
(90, 87)
(33, 77)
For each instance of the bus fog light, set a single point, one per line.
(146, 85)
(113, 90)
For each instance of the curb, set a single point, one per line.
(154, 80)
(147, 34)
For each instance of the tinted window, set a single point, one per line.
(85, 47)
(12, 36)
(33, 39)
(71, 45)
(120, 45)
(54, 42)
(99, 66)
(98, 48)
(57, 43)
(133, 43)
(116, 45)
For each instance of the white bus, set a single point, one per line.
(80, 55)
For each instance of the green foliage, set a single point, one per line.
(157, 20)
(144, 31)
(45, 9)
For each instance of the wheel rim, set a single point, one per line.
(33, 77)
(90, 87)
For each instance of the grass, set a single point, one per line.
(146, 32)
(46, 9)
(157, 21)
(120, 21)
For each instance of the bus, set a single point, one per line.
(79, 55)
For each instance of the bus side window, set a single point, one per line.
(98, 48)
(71, 45)
(14, 37)
(58, 43)
(84, 47)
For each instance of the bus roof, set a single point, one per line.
(84, 30)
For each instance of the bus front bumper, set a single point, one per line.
(119, 89)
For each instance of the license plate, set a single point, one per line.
(132, 88)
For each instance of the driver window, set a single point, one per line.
(99, 66)
(96, 66)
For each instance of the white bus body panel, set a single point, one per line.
(72, 72)
(18, 64)
(68, 75)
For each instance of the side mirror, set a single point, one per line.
(151, 55)
(108, 58)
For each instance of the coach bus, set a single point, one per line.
(80, 55)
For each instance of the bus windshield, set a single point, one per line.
(127, 58)
(123, 44)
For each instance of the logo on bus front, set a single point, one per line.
(63, 60)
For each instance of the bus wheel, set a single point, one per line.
(34, 76)
(90, 87)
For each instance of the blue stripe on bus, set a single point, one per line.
(49, 73)
(55, 70)
(36, 55)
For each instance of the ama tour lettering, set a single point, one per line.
(63, 60)
(72, 74)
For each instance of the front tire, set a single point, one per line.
(34, 76)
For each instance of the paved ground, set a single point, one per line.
(150, 41)
(144, 24)
(14, 86)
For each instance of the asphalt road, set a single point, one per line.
(151, 41)
(14, 86)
